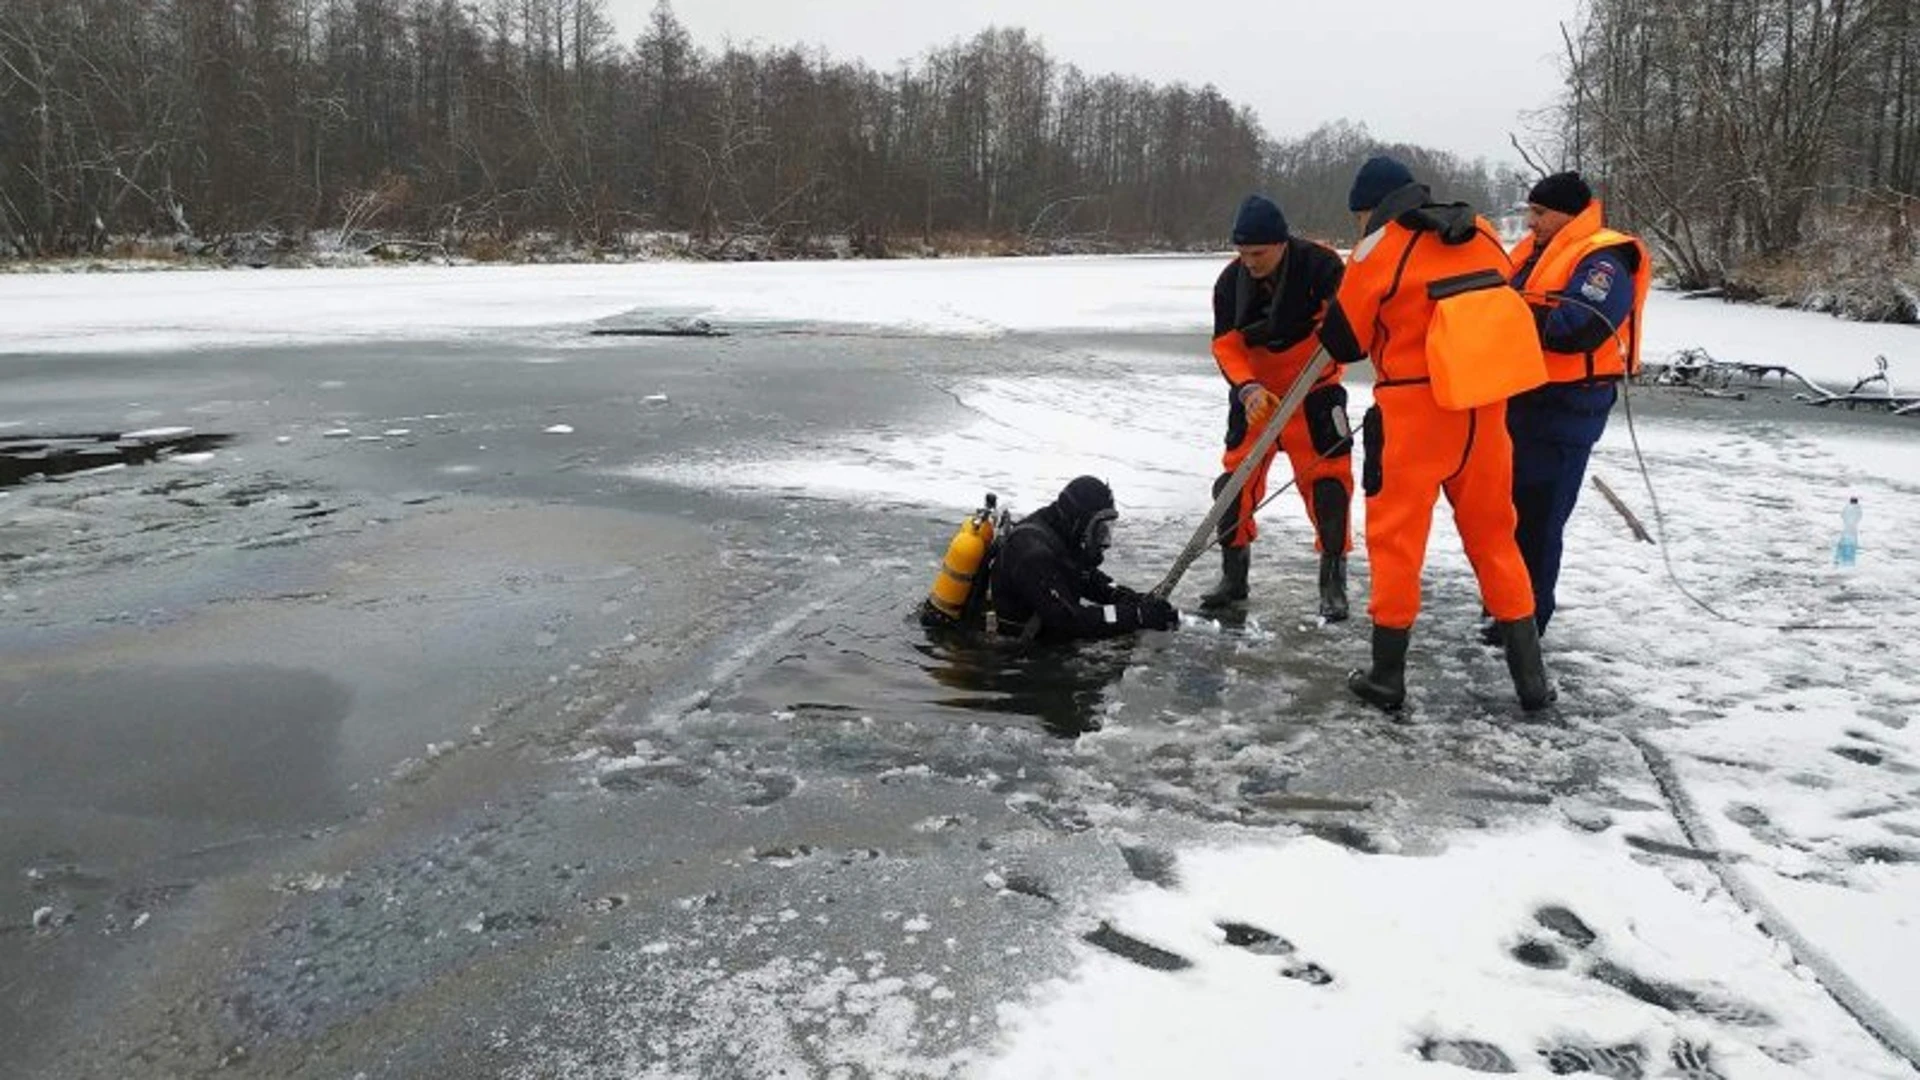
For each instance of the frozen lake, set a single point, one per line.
(500, 699)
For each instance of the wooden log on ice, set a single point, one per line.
(1626, 514)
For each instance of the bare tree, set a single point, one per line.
(1721, 127)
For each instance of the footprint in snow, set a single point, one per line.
(1467, 1054)
(1575, 933)
(1266, 943)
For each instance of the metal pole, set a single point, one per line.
(1203, 537)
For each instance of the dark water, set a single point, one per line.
(126, 789)
(242, 744)
(122, 781)
(1061, 687)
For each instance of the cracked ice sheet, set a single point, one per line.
(795, 1017)
(1419, 950)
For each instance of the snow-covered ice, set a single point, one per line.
(971, 297)
(977, 297)
(159, 434)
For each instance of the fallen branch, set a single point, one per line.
(1633, 522)
(1695, 370)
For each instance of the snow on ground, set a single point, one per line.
(1821, 347)
(112, 313)
(1508, 950)
(1793, 745)
(1794, 742)
(1023, 439)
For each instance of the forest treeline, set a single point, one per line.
(465, 120)
(1753, 137)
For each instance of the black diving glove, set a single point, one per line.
(1158, 614)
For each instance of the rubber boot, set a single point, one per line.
(1232, 586)
(1385, 686)
(1331, 502)
(1522, 640)
(1333, 587)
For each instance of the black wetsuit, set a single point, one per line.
(1042, 573)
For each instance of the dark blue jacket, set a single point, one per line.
(1598, 299)
(1595, 302)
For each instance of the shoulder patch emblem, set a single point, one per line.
(1598, 284)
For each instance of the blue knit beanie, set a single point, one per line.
(1380, 177)
(1259, 222)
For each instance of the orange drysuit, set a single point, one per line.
(1264, 333)
(1415, 450)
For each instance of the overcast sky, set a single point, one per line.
(1454, 76)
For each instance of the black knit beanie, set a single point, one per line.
(1563, 191)
(1259, 222)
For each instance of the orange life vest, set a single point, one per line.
(1583, 236)
(1396, 279)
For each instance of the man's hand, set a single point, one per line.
(1259, 403)
(1157, 614)
(1124, 595)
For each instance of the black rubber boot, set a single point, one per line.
(1385, 686)
(1232, 586)
(1524, 663)
(1331, 502)
(1333, 587)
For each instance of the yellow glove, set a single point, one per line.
(1259, 403)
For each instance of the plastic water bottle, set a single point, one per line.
(1848, 548)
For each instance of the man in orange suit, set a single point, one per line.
(1269, 305)
(1415, 449)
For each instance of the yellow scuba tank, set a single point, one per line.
(961, 569)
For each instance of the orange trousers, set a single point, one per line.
(1318, 449)
(1415, 451)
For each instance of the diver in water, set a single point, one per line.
(1046, 578)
